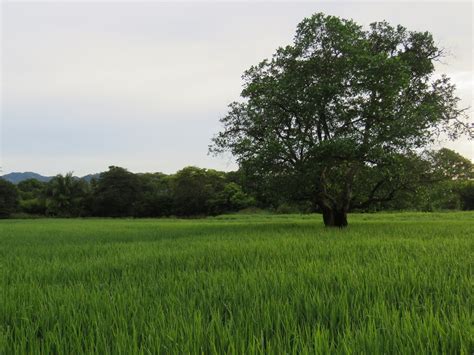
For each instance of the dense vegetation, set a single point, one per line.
(392, 283)
(447, 184)
(119, 193)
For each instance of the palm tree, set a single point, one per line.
(64, 194)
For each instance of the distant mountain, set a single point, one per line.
(18, 177)
(89, 177)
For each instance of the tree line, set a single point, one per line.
(120, 193)
(194, 192)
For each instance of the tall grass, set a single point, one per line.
(390, 283)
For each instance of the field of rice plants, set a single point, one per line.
(273, 284)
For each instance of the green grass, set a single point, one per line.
(390, 283)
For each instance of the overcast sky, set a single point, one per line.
(142, 85)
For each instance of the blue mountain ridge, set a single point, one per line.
(17, 177)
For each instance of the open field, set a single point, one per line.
(390, 283)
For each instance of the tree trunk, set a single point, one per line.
(335, 217)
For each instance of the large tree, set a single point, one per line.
(450, 165)
(194, 188)
(116, 193)
(342, 106)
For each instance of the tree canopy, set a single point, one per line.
(64, 194)
(341, 107)
(8, 198)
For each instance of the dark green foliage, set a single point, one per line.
(466, 192)
(65, 196)
(396, 177)
(200, 192)
(435, 180)
(339, 104)
(116, 193)
(450, 165)
(155, 199)
(120, 193)
(193, 189)
(8, 198)
(230, 198)
(34, 206)
(31, 188)
(32, 196)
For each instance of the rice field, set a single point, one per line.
(238, 284)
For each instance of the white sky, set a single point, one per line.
(142, 85)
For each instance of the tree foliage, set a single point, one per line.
(64, 196)
(450, 165)
(8, 198)
(434, 180)
(466, 193)
(341, 104)
(116, 193)
(32, 197)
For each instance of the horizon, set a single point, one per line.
(143, 86)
